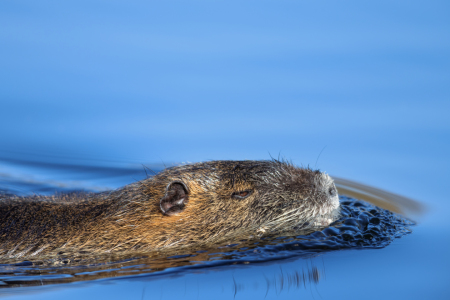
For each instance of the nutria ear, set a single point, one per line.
(175, 198)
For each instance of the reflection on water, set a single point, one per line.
(378, 197)
(361, 226)
(282, 281)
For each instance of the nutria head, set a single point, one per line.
(200, 203)
(214, 199)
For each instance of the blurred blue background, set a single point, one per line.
(188, 81)
(358, 89)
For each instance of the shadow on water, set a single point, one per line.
(361, 226)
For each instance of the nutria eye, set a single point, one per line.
(241, 194)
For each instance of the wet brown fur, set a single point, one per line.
(130, 218)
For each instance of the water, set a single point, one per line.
(89, 91)
(290, 263)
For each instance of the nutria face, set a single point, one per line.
(223, 196)
(195, 204)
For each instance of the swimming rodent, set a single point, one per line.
(191, 204)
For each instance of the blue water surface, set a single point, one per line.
(358, 89)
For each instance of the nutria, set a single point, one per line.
(180, 206)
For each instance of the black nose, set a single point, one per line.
(332, 191)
